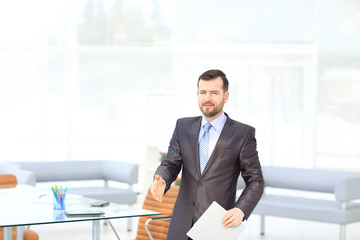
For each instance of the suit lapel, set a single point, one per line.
(225, 135)
(195, 128)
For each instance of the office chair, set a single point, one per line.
(10, 181)
(156, 228)
(7, 180)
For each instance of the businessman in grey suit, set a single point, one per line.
(212, 150)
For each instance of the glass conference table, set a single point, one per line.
(27, 205)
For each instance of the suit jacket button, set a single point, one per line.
(193, 203)
(199, 184)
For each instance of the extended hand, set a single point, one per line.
(233, 218)
(157, 188)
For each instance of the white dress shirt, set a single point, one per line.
(214, 132)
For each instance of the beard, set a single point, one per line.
(215, 110)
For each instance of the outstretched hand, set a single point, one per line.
(157, 188)
(233, 218)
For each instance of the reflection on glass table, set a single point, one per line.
(26, 205)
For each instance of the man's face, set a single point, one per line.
(211, 98)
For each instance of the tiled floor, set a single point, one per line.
(276, 229)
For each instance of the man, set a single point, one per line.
(230, 148)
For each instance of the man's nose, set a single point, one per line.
(208, 97)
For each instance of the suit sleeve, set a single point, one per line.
(251, 173)
(171, 165)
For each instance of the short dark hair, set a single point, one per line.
(212, 74)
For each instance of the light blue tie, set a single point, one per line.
(203, 147)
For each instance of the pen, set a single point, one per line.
(42, 195)
(54, 191)
(57, 190)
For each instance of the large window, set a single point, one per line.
(338, 115)
(106, 79)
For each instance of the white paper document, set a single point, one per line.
(209, 226)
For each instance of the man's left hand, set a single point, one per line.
(233, 218)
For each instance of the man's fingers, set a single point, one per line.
(157, 198)
(231, 222)
(232, 218)
(227, 219)
(158, 188)
(157, 178)
(156, 195)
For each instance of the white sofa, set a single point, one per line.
(340, 205)
(105, 170)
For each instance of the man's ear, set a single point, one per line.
(226, 97)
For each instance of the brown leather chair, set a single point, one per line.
(157, 227)
(9, 181)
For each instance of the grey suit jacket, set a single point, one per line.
(234, 152)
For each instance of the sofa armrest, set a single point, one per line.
(347, 189)
(120, 171)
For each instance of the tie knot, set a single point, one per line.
(207, 127)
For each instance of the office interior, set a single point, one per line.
(107, 79)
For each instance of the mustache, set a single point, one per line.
(206, 103)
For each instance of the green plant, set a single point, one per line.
(162, 156)
(177, 182)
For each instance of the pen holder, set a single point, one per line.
(59, 203)
(58, 215)
(59, 199)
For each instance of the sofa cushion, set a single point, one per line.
(308, 209)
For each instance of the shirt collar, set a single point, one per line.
(217, 124)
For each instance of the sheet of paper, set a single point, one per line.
(209, 226)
